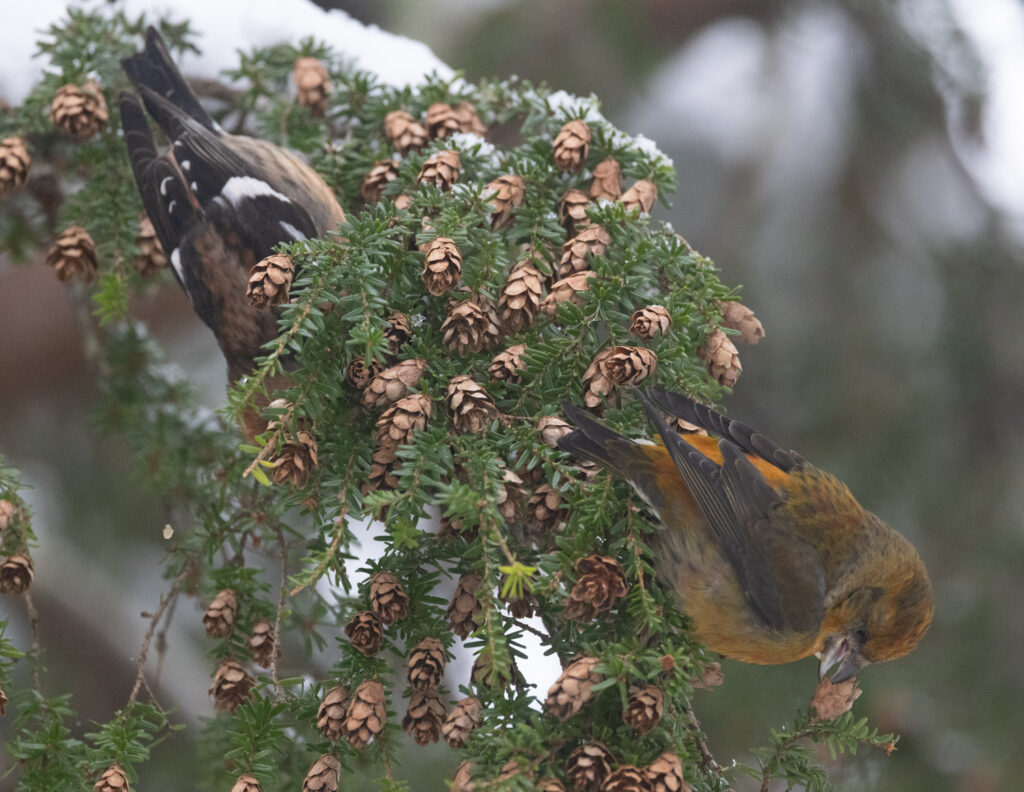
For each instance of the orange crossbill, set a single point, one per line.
(772, 558)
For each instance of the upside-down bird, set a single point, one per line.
(219, 202)
(772, 558)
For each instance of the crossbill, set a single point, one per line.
(772, 558)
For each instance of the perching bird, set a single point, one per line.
(219, 202)
(772, 558)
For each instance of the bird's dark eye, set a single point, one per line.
(860, 635)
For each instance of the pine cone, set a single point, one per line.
(545, 510)
(231, 686)
(567, 290)
(596, 384)
(588, 766)
(151, 257)
(74, 255)
(398, 329)
(313, 83)
(79, 111)
(8, 514)
(323, 775)
(469, 327)
(644, 709)
(626, 778)
(462, 781)
(510, 495)
(592, 240)
(405, 132)
(397, 424)
(640, 197)
(607, 183)
(442, 266)
(219, 619)
(393, 384)
(711, 677)
(441, 169)
(721, 358)
(509, 192)
(468, 119)
(424, 717)
(550, 785)
(246, 783)
(330, 717)
(425, 666)
(113, 779)
(599, 582)
(665, 774)
(832, 700)
(382, 172)
(572, 211)
(359, 375)
(465, 606)
(572, 146)
(366, 715)
(471, 408)
(508, 364)
(3, 702)
(648, 322)
(269, 281)
(16, 574)
(387, 598)
(494, 676)
(520, 297)
(625, 365)
(441, 120)
(262, 643)
(15, 163)
(552, 429)
(736, 316)
(365, 632)
(295, 460)
(573, 688)
(464, 717)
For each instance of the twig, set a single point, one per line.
(707, 761)
(33, 620)
(165, 601)
(335, 542)
(283, 547)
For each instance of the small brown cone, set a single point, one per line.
(550, 785)
(462, 781)
(219, 619)
(567, 290)
(520, 297)
(151, 257)
(508, 364)
(644, 709)
(359, 375)
(313, 83)
(572, 145)
(74, 255)
(295, 460)
(572, 211)
(665, 774)
(625, 365)
(545, 510)
(425, 666)
(721, 358)
(640, 197)
(392, 384)
(114, 779)
(330, 716)
(269, 281)
(442, 266)
(710, 678)
(424, 717)
(441, 169)
(366, 714)
(365, 632)
(596, 384)
(510, 496)
(15, 163)
(469, 405)
(552, 429)
(16, 574)
(600, 581)
(8, 514)
(232, 685)
(588, 766)
(398, 330)
(397, 424)
(737, 316)
(406, 133)
(469, 327)
(387, 598)
(464, 717)
(3, 702)
(246, 783)
(507, 194)
(626, 778)
(382, 172)
(591, 241)
(79, 111)
(468, 119)
(323, 775)
(573, 688)
(494, 676)
(441, 120)
(649, 321)
(262, 643)
(832, 700)
(607, 183)
(465, 606)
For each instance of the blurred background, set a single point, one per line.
(859, 168)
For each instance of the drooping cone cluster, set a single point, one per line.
(424, 716)
(470, 326)
(15, 163)
(387, 598)
(640, 197)
(365, 632)
(382, 172)
(406, 133)
(232, 685)
(572, 145)
(262, 643)
(73, 255)
(219, 619)
(607, 183)
(79, 111)
(114, 779)
(470, 406)
(591, 241)
(323, 775)
(366, 715)
(313, 84)
(508, 364)
(331, 715)
(572, 211)
(246, 783)
(395, 428)
(16, 574)
(442, 266)
(520, 297)
(507, 194)
(737, 316)
(425, 666)
(545, 510)
(588, 766)
(600, 581)
(644, 709)
(721, 358)
(441, 169)
(647, 322)
(269, 281)
(573, 688)
(567, 290)
(832, 700)
(665, 774)
(465, 606)
(151, 257)
(392, 384)
(464, 717)
(625, 778)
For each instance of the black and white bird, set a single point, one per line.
(219, 202)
